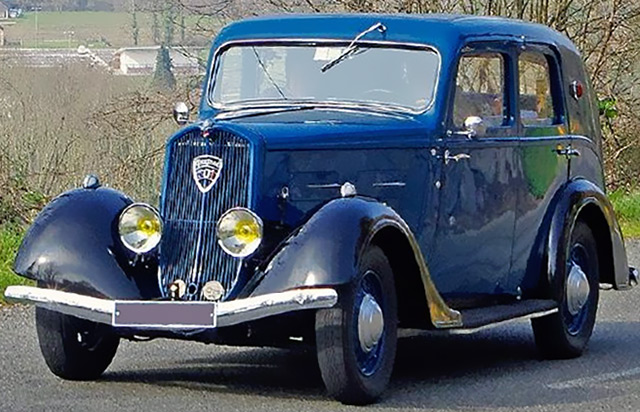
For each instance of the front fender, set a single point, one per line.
(73, 246)
(583, 199)
(326, 250)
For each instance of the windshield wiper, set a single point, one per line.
(266, 72)
(259, 111)
(353, 47)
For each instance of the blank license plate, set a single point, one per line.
(168, 315)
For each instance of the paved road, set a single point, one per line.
(494, 370)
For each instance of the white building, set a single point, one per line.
(3, 26)
(4, 11)
(133, 61)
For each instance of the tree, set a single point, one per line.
(135, 29)
(168, 15)
(182, 30)
(155, 29)
(163, 77)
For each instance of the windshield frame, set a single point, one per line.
(376, 106)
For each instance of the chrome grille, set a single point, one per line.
(189, 248)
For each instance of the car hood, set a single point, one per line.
(325, 128)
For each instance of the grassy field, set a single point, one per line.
(627, 207)
(10, 237)
(92, 29)
(64, 29)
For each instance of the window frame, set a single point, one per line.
(555, 85)
(215, 62)
(506, 50)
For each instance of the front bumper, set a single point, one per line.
(174, 315)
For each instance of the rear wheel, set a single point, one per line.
(565, 334)
(356, 339)
(73, 348)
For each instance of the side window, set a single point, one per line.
(536, 101)
(480, 89)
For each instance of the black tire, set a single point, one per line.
(352, 375)
(564, 335)
(73, 348)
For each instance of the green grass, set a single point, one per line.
(627, 207)
(64, 29)
(94, 29)
(10, 238)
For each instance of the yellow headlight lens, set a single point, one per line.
(239, 232)
(247, 231)
(140, 227)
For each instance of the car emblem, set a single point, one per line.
(206, 171)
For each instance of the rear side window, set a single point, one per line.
(480, 89)
(536, 100)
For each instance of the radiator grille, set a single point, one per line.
(189, 248)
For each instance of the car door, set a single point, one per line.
(471, 255)
(543, 159)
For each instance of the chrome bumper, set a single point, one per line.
(221, 313)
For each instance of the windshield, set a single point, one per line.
(248, 75)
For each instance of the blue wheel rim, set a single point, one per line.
(578, 256)
(368, 362)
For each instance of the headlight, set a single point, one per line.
(239, 232)
(140, 227)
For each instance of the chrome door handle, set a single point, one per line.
(567, 152)
(448, 157)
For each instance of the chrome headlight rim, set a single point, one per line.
(152, 246)
(251, 250)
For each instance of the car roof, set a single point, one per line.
(440, 30)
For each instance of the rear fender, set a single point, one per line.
(326, 250)
(74, 246)
(581, 199)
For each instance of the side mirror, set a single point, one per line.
(474, 126)
(181, 113)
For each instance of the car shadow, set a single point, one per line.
(286, 373)
(495, 368)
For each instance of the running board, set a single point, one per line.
(474, 320)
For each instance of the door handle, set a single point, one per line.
(448, 157)
(567, 151)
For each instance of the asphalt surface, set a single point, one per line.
(497, 370)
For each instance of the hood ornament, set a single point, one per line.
(206, 171)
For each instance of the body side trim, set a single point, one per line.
(442, 316)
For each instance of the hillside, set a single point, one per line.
(97, 29)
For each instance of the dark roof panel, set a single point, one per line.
(436, 29)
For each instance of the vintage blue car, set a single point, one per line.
(348, 176)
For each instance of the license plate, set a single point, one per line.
(169, 315)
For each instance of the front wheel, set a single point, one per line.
(73, 348)
(565, 334)
(356, 339)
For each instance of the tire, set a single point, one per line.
(564, 334)
(73, 348)
(354, 374)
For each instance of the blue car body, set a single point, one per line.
(466, 223)
(495, 251)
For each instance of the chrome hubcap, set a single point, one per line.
(577, 289)
(370, 323)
